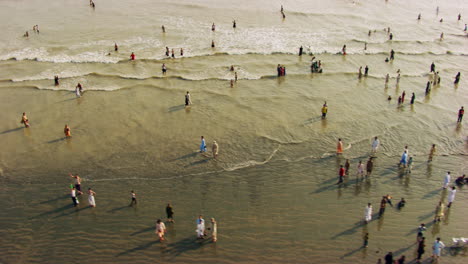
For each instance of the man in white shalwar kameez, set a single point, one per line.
(447, 180)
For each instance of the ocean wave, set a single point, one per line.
(250, 163)
(40, 55)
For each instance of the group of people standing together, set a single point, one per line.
(405, 163)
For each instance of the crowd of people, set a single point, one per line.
(405, 162)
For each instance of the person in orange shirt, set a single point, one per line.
(339, 147)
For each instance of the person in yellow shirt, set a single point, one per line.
(324, 110)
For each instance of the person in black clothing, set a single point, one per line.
(421, 251)
(432, 67)
(457, 78)
(300, 51)
(366, 70)
(170, 213)
(389, 258)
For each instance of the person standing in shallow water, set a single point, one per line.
(324, 110)
(300, 51)
(461, 112)
(91, 200)
(341, 174)
(413, 97)
(437, 248)
(160, 230)
(188, 100)
(439, 212)
(432, 153)
(368, 213)
(370, 167)
(421, 246)
(134, 200)
(451, 196)
(77, 181)
(447, 180)
(375, 145)
(215, 149)
(457, 78)
(67, 131)
(170, 213)
(24, 120)
(202, 145)
(339, 147)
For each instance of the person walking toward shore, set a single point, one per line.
(56, 80)
(366, 240)
(132, 56)
(160, 230)
(24, 120)
(91, 200)
(164, 69)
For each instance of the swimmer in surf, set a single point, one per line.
(212, 44)
(56, 80)
(163, 29)
(132, 56)
(164, 69)
(343, 50)
(116, 47)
